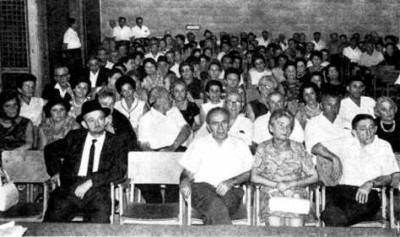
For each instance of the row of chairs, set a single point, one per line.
(28, 170)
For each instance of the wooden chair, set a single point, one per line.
(150, 168)
(242, 217)
(26, 168)
(315, 192)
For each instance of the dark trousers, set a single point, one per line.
(152, 193)
(95, 206)
(342, 209)
(215, 209)
(73, 60)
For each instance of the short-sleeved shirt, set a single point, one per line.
(213, 163)
(123, 33)
(363, 163)
(261, 130)
(134, 113)
(71, 38)
(320, 129)
(348, 110)
(142, 32)
(160, 130)
(33, 110)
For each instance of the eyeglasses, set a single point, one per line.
(62, 75)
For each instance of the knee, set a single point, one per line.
(332, 216)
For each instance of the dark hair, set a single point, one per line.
(213, 83)
(232, 71)
(256, 57)
(150, 60)
(307, 85)
(23, 78)
(185, 64)
(82, 79)
(215, 62)
(288, 64)
(52, 103)
(121, 18)
(124, 80)
(114, 71)
(71, 21)
(6, 96)
(162, 58)
(360, 117)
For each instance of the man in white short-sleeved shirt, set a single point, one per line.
(163, 126)
(139, 30)
(367, 162)
(324, 127)
(122, 32)
(261, 131)
(213, 165)
(355, 103)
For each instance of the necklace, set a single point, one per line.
(390, 129)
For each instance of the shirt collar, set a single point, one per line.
(99, 139)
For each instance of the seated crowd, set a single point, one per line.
(243, 109)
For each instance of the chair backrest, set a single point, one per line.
(25, 167)
(154, 167)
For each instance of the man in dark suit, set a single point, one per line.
(98, 76)
(60, 89)
(92, 159)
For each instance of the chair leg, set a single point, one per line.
(391, 209)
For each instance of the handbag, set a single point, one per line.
(289, 204)
(9, 194)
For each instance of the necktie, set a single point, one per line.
(91, 157)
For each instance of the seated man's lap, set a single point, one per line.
(341, 204)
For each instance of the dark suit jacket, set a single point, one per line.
(51, 93)
(102, 78)
(112, 166)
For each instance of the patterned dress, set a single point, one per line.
(282, 165)
(52, 134)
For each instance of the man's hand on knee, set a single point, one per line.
(81, 190)
(363, 192)
(224, 187)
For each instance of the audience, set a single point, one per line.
(181, 91)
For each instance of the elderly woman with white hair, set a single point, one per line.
(258, 107)
(284, 169)
(388, 122)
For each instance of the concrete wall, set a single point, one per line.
(277, 16)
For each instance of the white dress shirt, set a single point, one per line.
(160, 130)
(83, 168)
(93, 78)
(348, 110)
(61, 90)
(352, 54)
(261, 130)
(213, 163)
(155, 57)
(255, 75)
(262, 42)
(123, 33)
(361, 164)
(138, 32)
(71, 38)
(320, 45)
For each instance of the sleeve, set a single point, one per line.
(143, 130)
(298, 133)
(147, 32)
(335, 145)
(259, 134)
(310, 136)
(191, 159)
(179, 119)
(306, 161)
(247, 158)
(66, 37)
(115, 32)
(389, 164)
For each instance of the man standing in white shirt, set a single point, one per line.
(367, 162)
(72, 48)
(264, 39)
(318, 43)
(122, 33)
(213, 166)
(139, 30)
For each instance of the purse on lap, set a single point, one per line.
(289, 205)
(9, 195)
